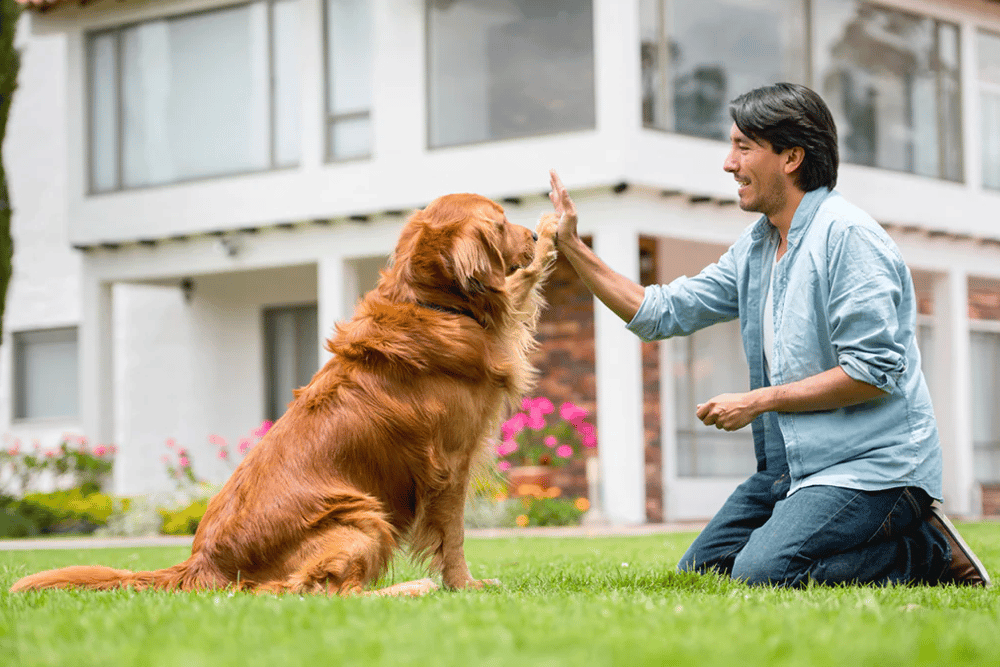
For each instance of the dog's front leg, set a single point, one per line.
(521, 283)
(454, 568)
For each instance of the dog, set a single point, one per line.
(377, 450)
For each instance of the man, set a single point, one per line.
(848, 456)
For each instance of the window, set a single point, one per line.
(348, 79)
(989, 106)
(195, 96)
(710, 362)
(891, 78)
(291, 348)
(985, 349)
(892, 82)
(500, 69)
(697, 56)
(45, 374)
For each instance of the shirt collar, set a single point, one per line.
(804, 214)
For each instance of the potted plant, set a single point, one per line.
(540, 438)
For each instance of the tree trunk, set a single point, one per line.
(10, 62)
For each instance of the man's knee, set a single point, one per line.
(762, 570)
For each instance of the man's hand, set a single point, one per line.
(729, 412)
(564, 207)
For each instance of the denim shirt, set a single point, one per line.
(842, 297)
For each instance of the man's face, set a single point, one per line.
(759, 171)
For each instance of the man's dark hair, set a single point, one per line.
(788, 115)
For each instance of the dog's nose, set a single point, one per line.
(534, 235)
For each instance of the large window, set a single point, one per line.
(985, 350)
(892, 82)
(710, 362)
(348, 79)
(500, 69)
(195, 96)
(45, 374)
(891, 78)
(697, 56)
(291, 348)
(989, 105)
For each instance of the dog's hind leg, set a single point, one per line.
(344, 560)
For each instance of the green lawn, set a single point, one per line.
(565, 601)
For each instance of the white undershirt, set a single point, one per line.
(769, 317)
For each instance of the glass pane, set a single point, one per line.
(985, 349)
(988, 53)
(892, 82)
(500, 69)
(103, 113)
(697, 56)
(287, 84)
(196, 96)
(989, 109)
(292, 348)
(350, 138)
(46, 383)
(349, 56)
(710, 362)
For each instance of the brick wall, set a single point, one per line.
(565, 360)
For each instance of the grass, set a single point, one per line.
(564, 601)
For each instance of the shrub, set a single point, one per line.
(183, 521)
(69, 511)
(532, 437)
(542, 511)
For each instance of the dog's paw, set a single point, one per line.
(547, 226)
(408, 588)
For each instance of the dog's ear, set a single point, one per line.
(476, 260)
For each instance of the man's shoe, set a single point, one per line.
(965, 569)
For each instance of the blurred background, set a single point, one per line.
(201, 188)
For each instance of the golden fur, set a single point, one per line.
(377, 449)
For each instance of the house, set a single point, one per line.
(203, 187)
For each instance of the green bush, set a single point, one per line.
(536, 511)
(183, 521)
(69, 511)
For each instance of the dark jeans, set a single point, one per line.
(824, 534)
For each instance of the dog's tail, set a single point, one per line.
(100, 578)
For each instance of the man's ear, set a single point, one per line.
(794, 157)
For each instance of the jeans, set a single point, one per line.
(824, 534)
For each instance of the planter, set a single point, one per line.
(527, 476)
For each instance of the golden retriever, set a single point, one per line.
(377, 449)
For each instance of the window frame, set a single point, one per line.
(18, 403)
(984, 88)
(117, 31)
(271, 402)
(330, 119)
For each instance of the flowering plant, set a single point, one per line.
(538, 435)
(180, 462)
(73, 462)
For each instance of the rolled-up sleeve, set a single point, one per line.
(688, 304)
(866, 278)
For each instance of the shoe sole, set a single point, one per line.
(957, 537)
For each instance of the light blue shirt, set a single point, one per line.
(842, 297)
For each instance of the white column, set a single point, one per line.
(951, 396)
(336, 293)
(619, 391)
(668, 430)
(96, 370)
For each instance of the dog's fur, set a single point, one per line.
(377, 449)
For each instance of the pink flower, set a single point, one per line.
(181, 451)
(571, 412)
(544, 405)
(262, 430)
(185, 462)
(13, 451)
(100, 450)
(50, 454)
(244, 445)
(564, 451)
(590, 441)
(551, 441)
(217, 440)
(536, 420)
(165, 459)
(514, 425)
(506, 447)
(171, 443)
(504, 466)
(113, 449)
(223, 454)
